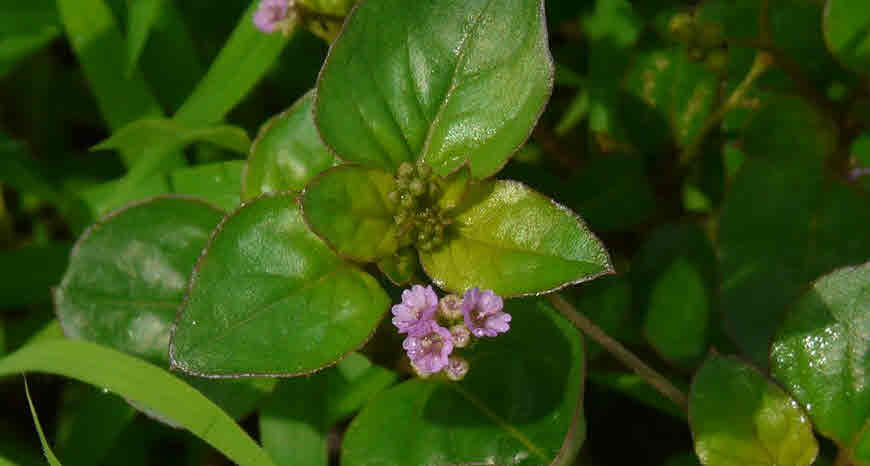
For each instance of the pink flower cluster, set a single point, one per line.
(435, 327)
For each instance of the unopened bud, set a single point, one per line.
(456, 368)
(393, 197)
(461, 335)
(406, 170)
(408, 202)
(450, 308)
(417, 187)
(424, 170)
(696, 54)
(682, 27)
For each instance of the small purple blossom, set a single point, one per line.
(269, 14)
(417, 308)
(483, 313)
(430, 349)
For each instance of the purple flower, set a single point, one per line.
(483, 314)
(429, 350)
(417, 308)
(269, 14)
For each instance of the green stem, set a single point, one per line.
(656, 380)
(762, 61)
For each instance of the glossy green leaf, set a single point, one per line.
(295, 422)
(847, 32)
(468, 83)
(46, 448)
(138, 380)
(607, 302)
(348, 207)
(265, 282)
(682, 90)
(822, 355)
(25, 27)
(34, 287)
(170, 135)
(782, 223)
(510, 239)
(514, 405)
(679, 312)
(287, 152)
(141, 15)
(127, 278)
(739, 417)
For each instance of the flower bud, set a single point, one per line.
(456, 368)
(393, 197)
(408, 202)
(425, 171)
(450, 308)
(417, 187)
(461, 335)
(406, 170)
(696, 53)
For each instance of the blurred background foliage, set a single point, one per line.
(714, 229)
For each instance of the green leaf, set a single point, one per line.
(607, 302)
(401, 267)
(26, 27)
(681, 90)
(287, 152)
(739, 417)
(265, 282)
(782, 223)
(170, 135)
(679, 312)
(295, 422)
(636, 388)
(34, 287)
(138, 380)
(90, 423)
(100, 48)
(141, 15)
(245, 58)
(468, 83)
(847, 32)
(46, 448)
(514, 406)
(217, 183)
(822, 355)
(127, 278)
(510, 239)
(348, 207)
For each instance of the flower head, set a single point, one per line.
(483, 313)
(456, 368)
(417, 308)
(450, 308)
(430, 348)
(270, 13)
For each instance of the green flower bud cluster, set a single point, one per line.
(704, 41)
(419, 219)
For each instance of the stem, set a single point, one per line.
(656, 380)
(762, 61)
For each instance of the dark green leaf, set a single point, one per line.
(681, 90)
(287, 153)
(266, 282)
(739, 417)
(782, 223)
(607, 302)
(679, 312)
(514, 406)
(401, 267)
(137, 380)
(141, 15)
(348, 207)
(89, 423)
(34, 287)
(847, 32)
(46, 448)
(635, 387)
(128, 276)
(445, 81)
(510, 239)
(295, 422)
(822, 355)
(24, 28)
